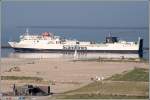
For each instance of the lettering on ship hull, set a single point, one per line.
(66, 47)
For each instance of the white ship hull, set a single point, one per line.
(47, 42)
(71, 48)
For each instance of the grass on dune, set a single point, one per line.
(99, 96)
(137, 74)
(131, 84)
(112, 87)
(109, 90)
(21, 78)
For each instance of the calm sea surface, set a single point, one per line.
(87, 34)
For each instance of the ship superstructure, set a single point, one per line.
(48, 42)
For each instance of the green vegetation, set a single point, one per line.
(137, 74)
(99, 96)
(20, 78)
(128, 85)
(140, 60)
(109, 89)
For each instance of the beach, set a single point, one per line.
(61, 74)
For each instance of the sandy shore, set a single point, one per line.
(67, 74)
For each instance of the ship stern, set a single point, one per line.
(140, 47)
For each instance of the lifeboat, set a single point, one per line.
(47, 34)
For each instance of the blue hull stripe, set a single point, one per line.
(28, 50)
(62, 50)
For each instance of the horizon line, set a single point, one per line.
(82, 27)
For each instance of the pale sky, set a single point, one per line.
(65, 13)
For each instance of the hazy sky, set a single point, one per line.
(65, 13)
(100, 13)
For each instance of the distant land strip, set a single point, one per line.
(81, 27)
(7, 46)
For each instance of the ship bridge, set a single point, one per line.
(111, 39)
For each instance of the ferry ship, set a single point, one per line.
(48, 42)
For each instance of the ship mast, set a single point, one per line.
(109, 34)
(27, 31)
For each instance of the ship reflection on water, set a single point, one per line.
(72, 55)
